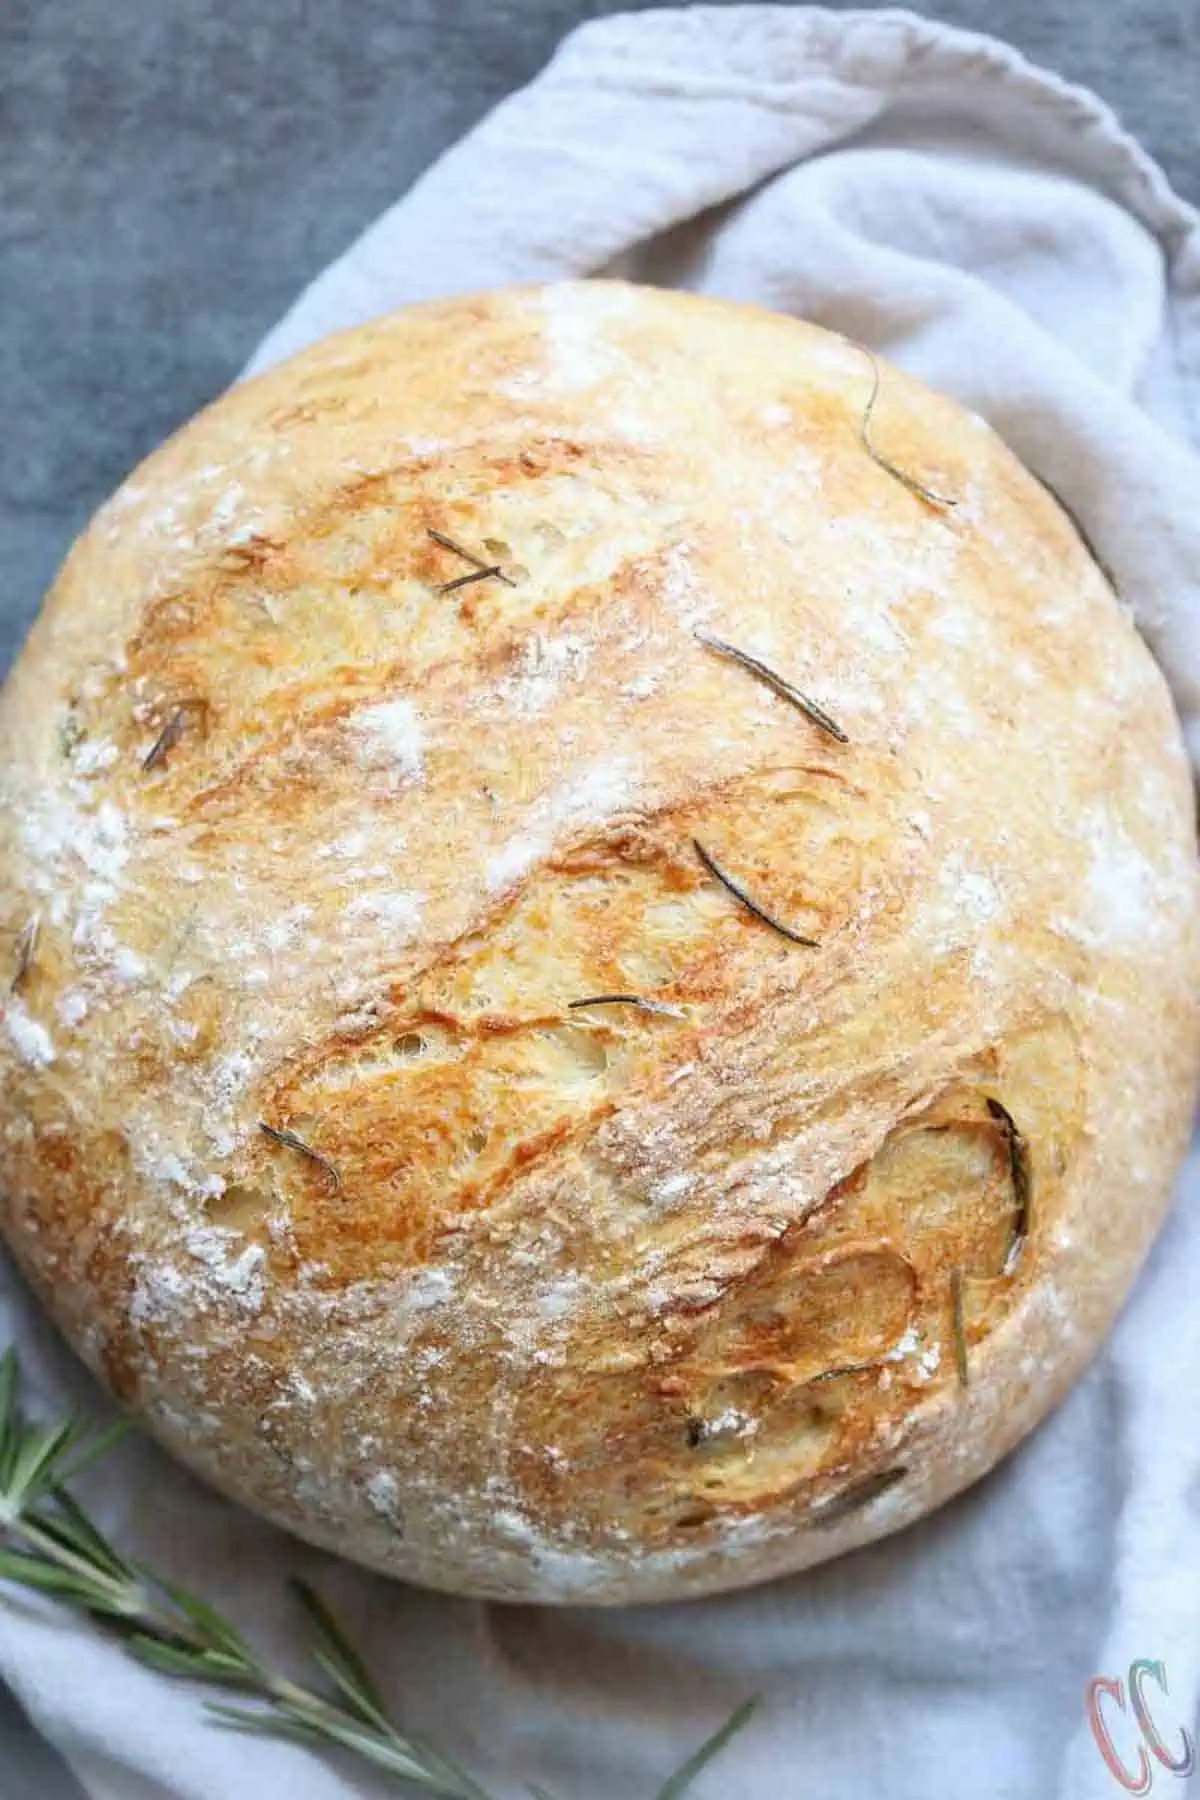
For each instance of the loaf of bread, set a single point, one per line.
(602, 908)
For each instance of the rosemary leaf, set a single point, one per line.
(167, 739)
(861, 1493)
(293, 1141)
(1020, 1173)
(70, 1526)
(490, 572)
(638, 1000)
(96, 1446)
(484, 569)
(735, 887)
(447, 1769)
(214, 1631)
(393, 1756)
(8, 1415)
(37, 1453)
(784, 688)
(46, 1577)
(448, 543)
(70, 731)
(184, 1661)
(338, 1653)
(683, 1778)
(909, 481)
(961, 1363)
(357, 1703)
(263, 1724)
(861, 1368)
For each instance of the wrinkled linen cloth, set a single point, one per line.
(997, 232)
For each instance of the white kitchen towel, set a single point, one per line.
(996, 231)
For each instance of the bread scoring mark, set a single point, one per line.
(731, 1422)
(422, 1141)
(370, 715)
(512, 1068)
(622, 910)
(756, 1390)
(191, 1034)
(604, 789)
(370, 538)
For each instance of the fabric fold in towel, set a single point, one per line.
(995, 231)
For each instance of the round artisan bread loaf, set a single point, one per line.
(602, 903)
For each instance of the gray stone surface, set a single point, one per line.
(172, 171)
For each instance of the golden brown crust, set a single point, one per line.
(561, 1301)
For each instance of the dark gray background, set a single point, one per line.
(172, 171)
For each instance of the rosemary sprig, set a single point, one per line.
(484, 571)
(909, 481)
(959, 1327)
(1020, 1174)
(638, 1000)
(739, 893)
(293, 1141)
(24, 951)
(49, 1544)
(779, 683)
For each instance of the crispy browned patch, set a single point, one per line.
(767, 1394)
(481, 1068)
